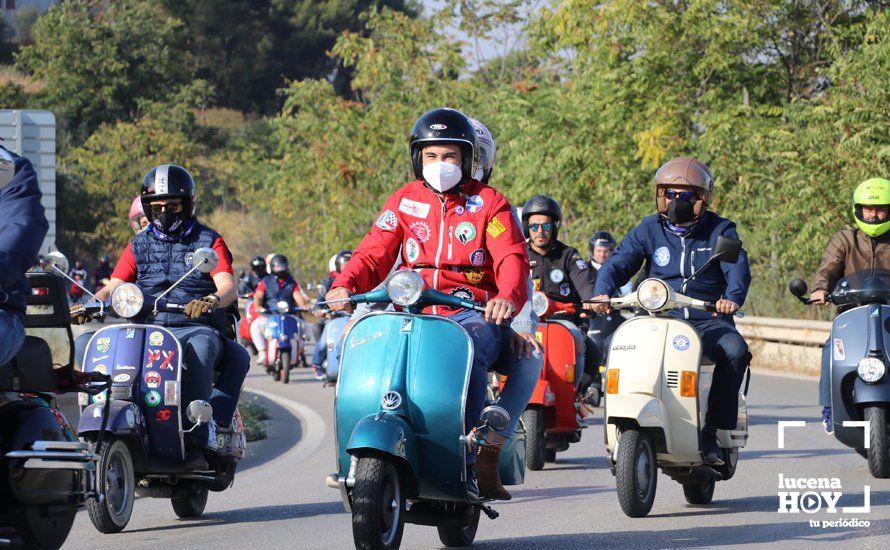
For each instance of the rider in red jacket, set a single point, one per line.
(460, 235)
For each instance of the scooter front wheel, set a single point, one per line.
(636, 472)
(535, 443)
(117, 484)
(190, 499)
(460, 535)
(285, 367)
(878, 449)
(699, 493)
(378, 505)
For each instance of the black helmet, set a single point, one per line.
(278, 264)
(258, 261)
(444, 125)
(601, 238)
(168, 181)
(541, 204)
(340, 260)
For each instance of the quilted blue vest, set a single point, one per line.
(274, 294)
(159, 264)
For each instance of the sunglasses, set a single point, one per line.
(682, 195)
(545, 226)
(169, 207)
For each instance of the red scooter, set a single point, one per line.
(250, 314)
(550, 418)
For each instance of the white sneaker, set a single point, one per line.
(211, 435)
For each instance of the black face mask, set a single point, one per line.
(169, 223)
(680, 212)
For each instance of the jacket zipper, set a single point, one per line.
(683, 270)
(439, 252)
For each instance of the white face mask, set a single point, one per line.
(442, 176)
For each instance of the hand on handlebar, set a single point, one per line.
(339, 293)
(499, 309)
(819, 297)
(200, 306)
(727, 307)
(603, 305)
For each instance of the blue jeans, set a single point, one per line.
(227, 389)
(522, 377)
(729, 351)
(12, 335)
(486, 339)
(825, 377)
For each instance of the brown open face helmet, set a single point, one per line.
(684, 171)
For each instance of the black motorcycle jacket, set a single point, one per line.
(562, 274)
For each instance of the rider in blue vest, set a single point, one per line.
(22, 228)
(160, 256)
(673, 243)
(279, 286)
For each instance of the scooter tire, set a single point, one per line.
(878, 450)
(699, 493)
(112, 514)
(460, 535)
(635, 446)
(190, 500)
(535, 442)
(377, 485)
(285, 367)
(276, 372)
(39, 526)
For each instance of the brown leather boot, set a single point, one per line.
(487, 457)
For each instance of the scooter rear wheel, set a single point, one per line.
(636, 472)
(378, 505)
(460, 535)
(117, 483)
(878, 450)
(285, 366)
(535, 442)
(699, 493)
(190, 499)
(40, 526)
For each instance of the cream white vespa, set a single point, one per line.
(657, 386)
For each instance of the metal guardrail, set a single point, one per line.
(785, 344)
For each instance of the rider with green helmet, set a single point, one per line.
(865, 247)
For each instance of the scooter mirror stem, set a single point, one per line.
(80, 286)
(187, 273)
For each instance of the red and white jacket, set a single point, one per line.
(465, 244)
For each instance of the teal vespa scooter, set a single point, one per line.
(400, 401)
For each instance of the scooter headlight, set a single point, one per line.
(540, 303)
(404, 288)
(283, 307)
(653, 294)
(871, 369)
(127, 300)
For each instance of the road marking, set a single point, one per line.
(313, 431)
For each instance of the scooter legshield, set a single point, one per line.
(426, 361)
(145, 363)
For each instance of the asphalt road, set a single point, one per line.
(283, 502)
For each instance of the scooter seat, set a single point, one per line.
(31, 369)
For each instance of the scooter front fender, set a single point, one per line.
(542, 394)
(387, 433)
(124, 418)
(644, 411)
(871, 393)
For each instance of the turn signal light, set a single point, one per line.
(570, 373)
(687, 384)
(612, 381)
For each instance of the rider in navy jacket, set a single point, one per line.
(674, 243)
(23, 226)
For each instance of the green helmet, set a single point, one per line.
(871, 192)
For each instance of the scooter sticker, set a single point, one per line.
(387, 221)
(839, 354)
(557, 275)
(103, 344)
(152, 398)
(681, 342)
(101, 368)
(662, 256)
(131, 418)
(156, 338)
(412, 249)
(124, 377)
(153, 380)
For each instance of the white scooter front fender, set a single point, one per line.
(644, 411)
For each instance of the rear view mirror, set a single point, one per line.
(797, 287)
(727, 249)
(55, 260)
(205, 259)
(199, 412)
(495, 417)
